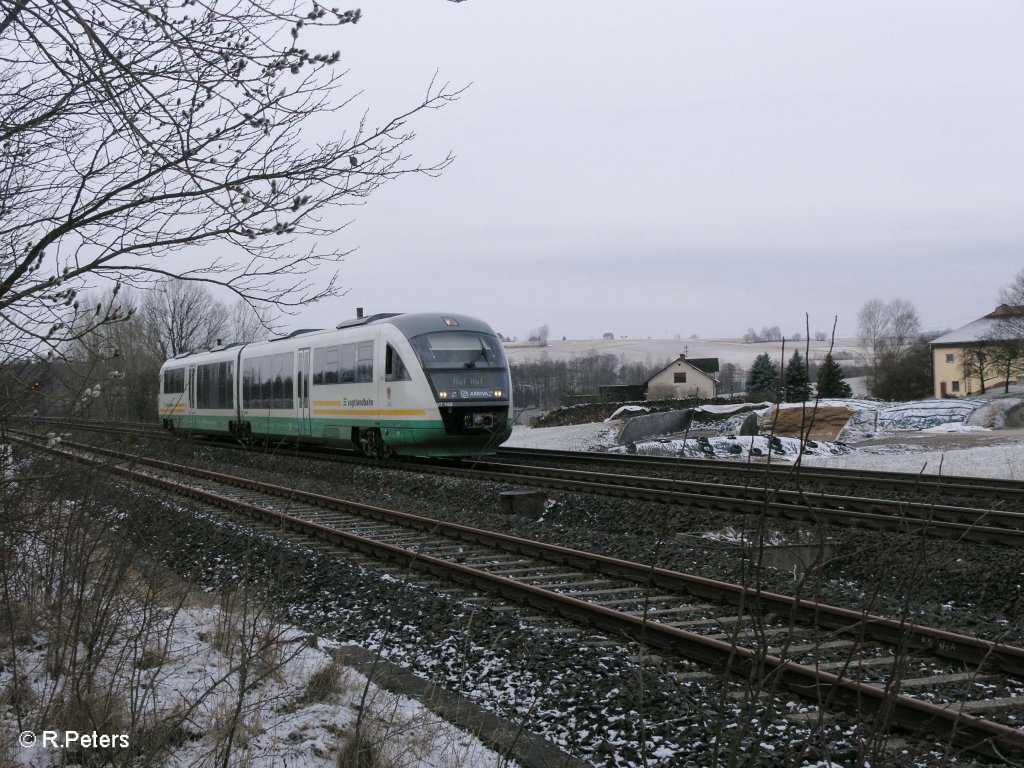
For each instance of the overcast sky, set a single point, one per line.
(680, 167)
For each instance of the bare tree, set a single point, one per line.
(886, 330)
(134, 132)
(1006, 357)
(1005, 341)
(903, 327)
(249, 323)
(1011, 324)
(182, 316)
(540, 335)
(872, 321)
(977, 363)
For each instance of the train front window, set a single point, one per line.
(458, 349)
(462, 365)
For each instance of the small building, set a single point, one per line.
(980, 355)
(621, 393)
(609, 336)
(685, 377)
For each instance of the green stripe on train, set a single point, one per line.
(425, 437)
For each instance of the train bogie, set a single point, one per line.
(434, 385)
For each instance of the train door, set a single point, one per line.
(400, 394)
(190, 405)
(302, 393)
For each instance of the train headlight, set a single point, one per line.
(497, 393)
(443, 395)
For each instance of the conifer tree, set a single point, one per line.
(797, 387)
(763, 378)
(832, 380)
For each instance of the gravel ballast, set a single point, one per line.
(610, 704)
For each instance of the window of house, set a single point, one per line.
(679, 377)
(950, 358)
(956, 386)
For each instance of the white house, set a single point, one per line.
(684, 377)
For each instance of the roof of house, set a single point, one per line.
(706, 365)
(981, 329)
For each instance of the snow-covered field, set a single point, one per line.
(656, 350)
(915, 423)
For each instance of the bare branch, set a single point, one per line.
(145, 140)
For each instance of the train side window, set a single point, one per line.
(174, 381)
(277, 384)
(332, 365)
(249, 375)
(267, 382)
(214, 385)
(318, 366)
(227, 392)
(281, 381)
(347, 371)
(287, 368)
(364, 362)
(394, 368)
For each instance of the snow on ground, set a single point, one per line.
(996, 461)
(284, 719)
(599, 436)
(869, 420)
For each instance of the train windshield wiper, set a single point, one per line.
(483, 354)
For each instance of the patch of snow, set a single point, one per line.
(993, 413)
(598, 436)
(730, 408)
(996, 461)
(632, 410)
(955, 427)
(757, 447)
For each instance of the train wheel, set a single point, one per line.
(372, 444)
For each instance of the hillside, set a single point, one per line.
(656, 350)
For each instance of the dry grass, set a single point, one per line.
(323, 684)
(788, 422)
(91, 710)
(225, 720)
(18, 695)
(361, 747)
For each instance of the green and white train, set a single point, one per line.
(406, 384)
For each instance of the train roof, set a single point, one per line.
(410, 324)
(425, 322)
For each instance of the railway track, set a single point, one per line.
(832, 656)
(778, 475)
(997, 517)
(988, 525)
